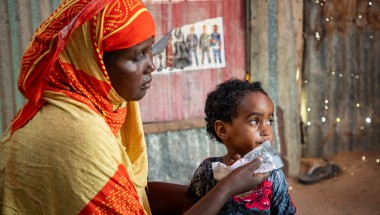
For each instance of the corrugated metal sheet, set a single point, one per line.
(340, 101)
(174, 155)
(18, 20)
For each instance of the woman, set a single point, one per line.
(77, 146)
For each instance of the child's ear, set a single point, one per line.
(221, 129)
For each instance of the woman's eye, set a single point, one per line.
(139, 57)
(270, 122)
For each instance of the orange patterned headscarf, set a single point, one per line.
(65, 55)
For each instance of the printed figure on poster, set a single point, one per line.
(194, 46)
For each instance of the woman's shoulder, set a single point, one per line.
(67, 145)
(62, 130)
(72, 120)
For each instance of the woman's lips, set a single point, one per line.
(147, 82)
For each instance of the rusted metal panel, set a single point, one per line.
(181, 95)
(340, 108)
(18, 21)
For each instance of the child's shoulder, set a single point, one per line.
(210, 160)
(278, 178)
(276, 174)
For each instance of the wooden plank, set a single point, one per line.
(159, 127)
(276, 60)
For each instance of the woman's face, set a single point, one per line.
(130, 70)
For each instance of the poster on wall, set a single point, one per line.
(179, 92)
(193, 46)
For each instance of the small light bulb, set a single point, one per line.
(363, 158)
(378, 160)
(326, 101)
(308, 123)
(337, 119)
(360, 16)
(305, 81)
(357, 105)
(323, 119)
(340, 75)
(369, 3)
(317, 35)
(333, 73)
(368, 120)
(327, 19)
(308, 109)
(361, 127)
(326, 107)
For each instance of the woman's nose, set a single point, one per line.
(151, 65)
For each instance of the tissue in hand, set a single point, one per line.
(271, 161)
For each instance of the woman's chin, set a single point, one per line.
(140, 95)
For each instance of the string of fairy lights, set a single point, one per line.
(323, 119)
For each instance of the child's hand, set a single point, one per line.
(232, 161)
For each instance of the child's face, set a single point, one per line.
(252, 126)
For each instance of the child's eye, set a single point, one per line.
(270, 122)
(254, 122)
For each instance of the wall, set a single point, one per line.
(18, 20)
(275, 47)
(341, 77)
(174, 155)
(180, 95)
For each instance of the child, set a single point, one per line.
(239, 114)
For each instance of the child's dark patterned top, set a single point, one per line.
(271, 197)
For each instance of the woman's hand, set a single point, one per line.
(241, 180)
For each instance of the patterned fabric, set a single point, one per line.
(271, 197)
(73, 109)
(65, 159)
(121, 197)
